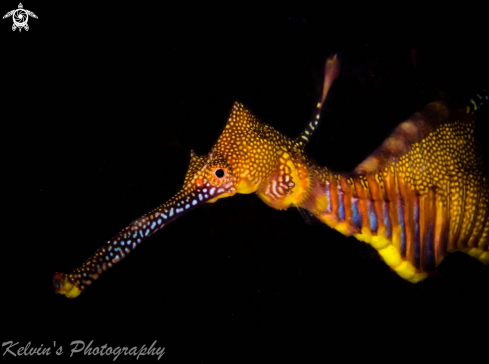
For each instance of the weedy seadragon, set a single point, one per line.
(422, 194)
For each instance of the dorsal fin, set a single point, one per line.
(331, 72)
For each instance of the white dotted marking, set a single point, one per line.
(120, 251)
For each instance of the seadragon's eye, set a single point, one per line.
(219, 173)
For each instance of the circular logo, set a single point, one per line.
(20, 17)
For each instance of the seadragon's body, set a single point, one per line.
(423, 193)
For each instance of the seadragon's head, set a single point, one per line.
(248, 157)
(240, 162)
(244, 157)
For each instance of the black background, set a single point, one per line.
(100, 108)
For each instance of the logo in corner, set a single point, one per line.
(20, 17)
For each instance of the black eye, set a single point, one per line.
(219, 173)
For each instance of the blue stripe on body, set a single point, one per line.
(372, 217)
(402, 226)
(387, 220)
(357, 219)
(328, 196)
(341, 208)
(417, 244)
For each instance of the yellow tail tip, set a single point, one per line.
(63, 286)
